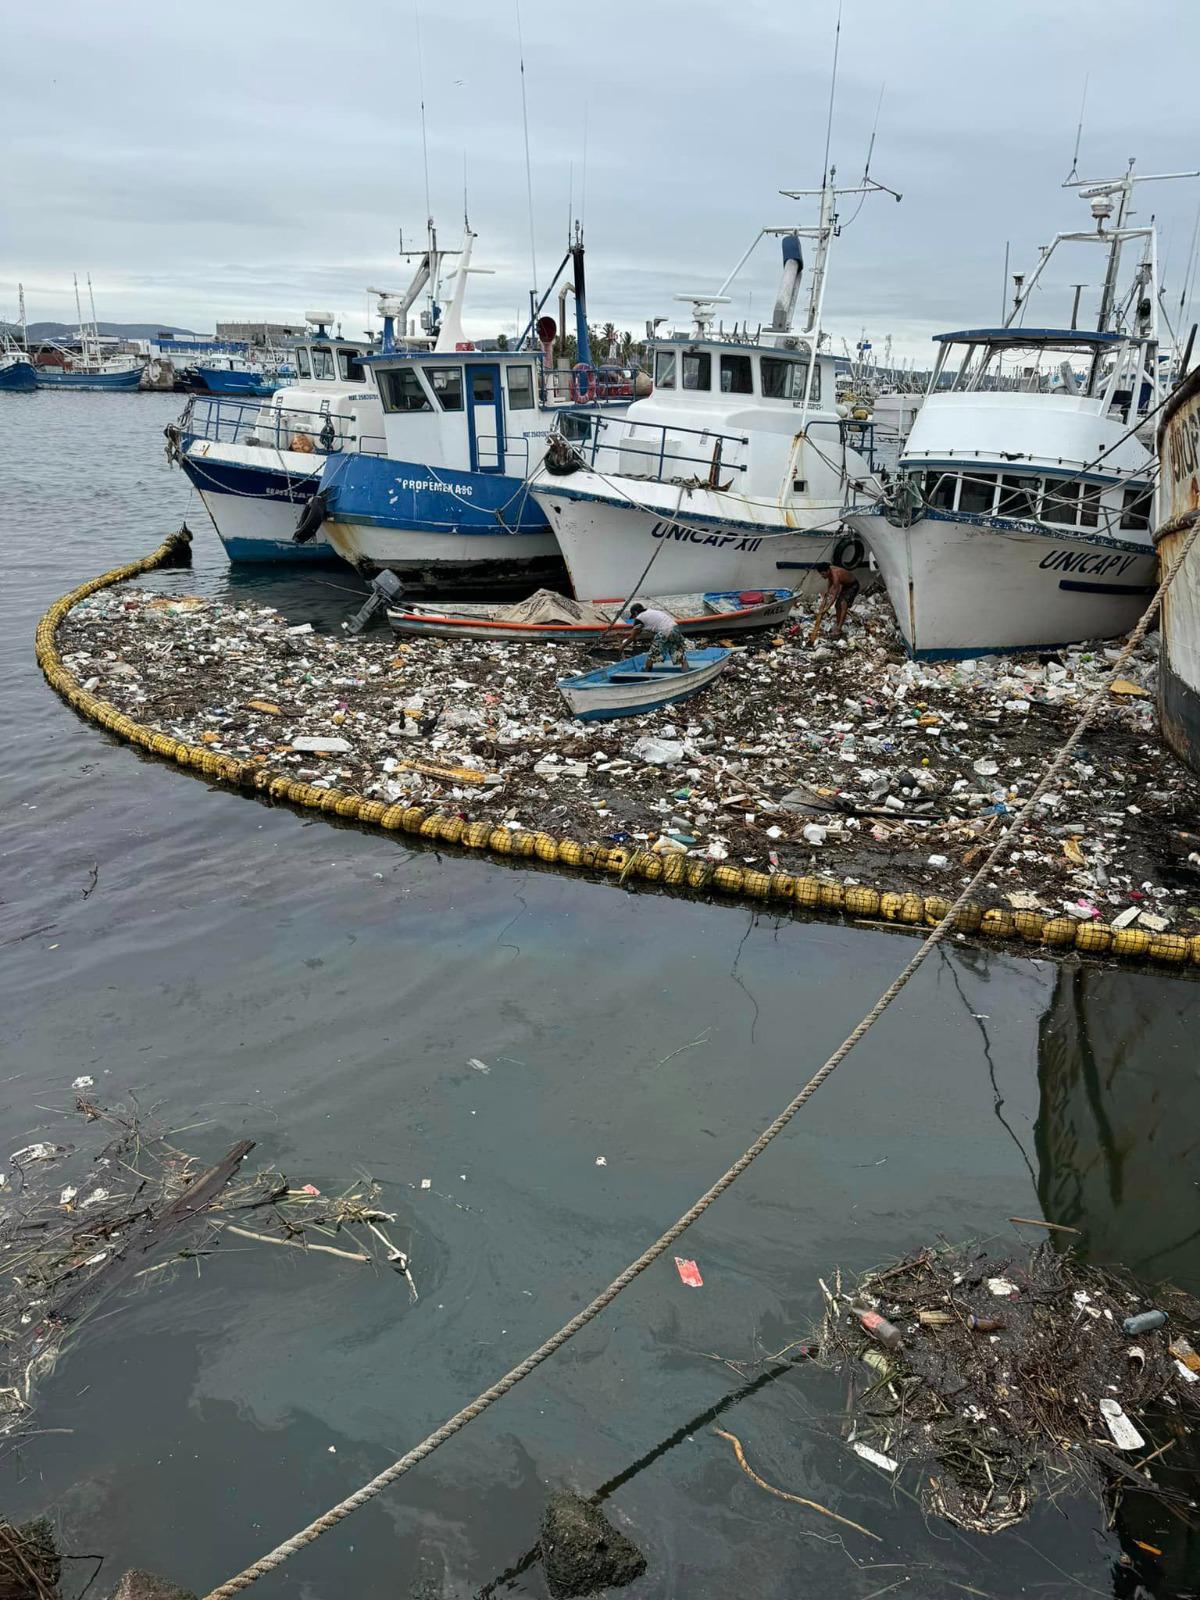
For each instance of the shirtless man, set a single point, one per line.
(841, 588)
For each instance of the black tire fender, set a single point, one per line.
(849, 552)
(311, 518)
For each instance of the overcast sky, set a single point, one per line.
(259, 158)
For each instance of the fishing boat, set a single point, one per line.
(17, 372)
(257, 464)
(1020, 518)
(447, 504)
(732, 473)
(89, 367)
(240, 376)
(630, 688)
(91, 370)
(553, 618)
(1178, 510)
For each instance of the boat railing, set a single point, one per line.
(227, 420)
(1062, 503)
(843, 433)
(586, 385)
(661, 452)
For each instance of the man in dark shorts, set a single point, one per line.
(841, 590)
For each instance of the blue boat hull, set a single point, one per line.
(243, 384)
(18, 379)
(438, 528)
(53, 378)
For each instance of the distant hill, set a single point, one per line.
(119, 330)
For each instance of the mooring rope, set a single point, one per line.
(497, 1391)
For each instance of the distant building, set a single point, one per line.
(260, 333)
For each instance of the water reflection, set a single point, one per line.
(1118, 1127)
(1116, 1140)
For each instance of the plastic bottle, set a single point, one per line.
(887, 1333)
(983, 1324)
(1144, 1322)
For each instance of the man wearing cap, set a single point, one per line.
(663, 631)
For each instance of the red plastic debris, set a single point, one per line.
(689, 1272)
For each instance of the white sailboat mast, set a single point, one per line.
(79, 315)
(95, 324)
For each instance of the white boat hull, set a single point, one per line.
(254, 496)
(607, 545)
(962, 589)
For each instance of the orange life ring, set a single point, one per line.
(583, 383)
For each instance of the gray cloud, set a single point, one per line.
(238, 159)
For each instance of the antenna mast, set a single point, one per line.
(1074, 172)
(837, 39)
(424, 133)
(528, 168)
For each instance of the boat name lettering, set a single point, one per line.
(667, 530)
(435, 486)
(1086, 561)
(1183, 439)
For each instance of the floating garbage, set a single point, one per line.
(994, 1411)
(846, 759)
(66, 1246)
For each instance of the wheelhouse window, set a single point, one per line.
(1062, 502)
(977, 493)
(577, 429)
(783, 379)
(1018, 496)
(303, 365)
(402, 390)
(697, 369)
(322, 363)
(1089, 504)
(664, 369)
(737, 375)
(1135, 508)
(520, 389)
(483, 387)
(446, 383)
(351, 365)
(940, 490)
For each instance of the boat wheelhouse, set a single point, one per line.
(256, 464)
(1020, 518)
(447, 503)
(732, 473)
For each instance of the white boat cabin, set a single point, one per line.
(1015, 421)
(475, 410)
(333, 402)
(730, 414)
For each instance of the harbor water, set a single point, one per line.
(241, 971)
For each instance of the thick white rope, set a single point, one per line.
(275, 1558)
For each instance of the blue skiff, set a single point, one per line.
(629, 688)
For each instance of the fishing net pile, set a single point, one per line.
(1013, 1378)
